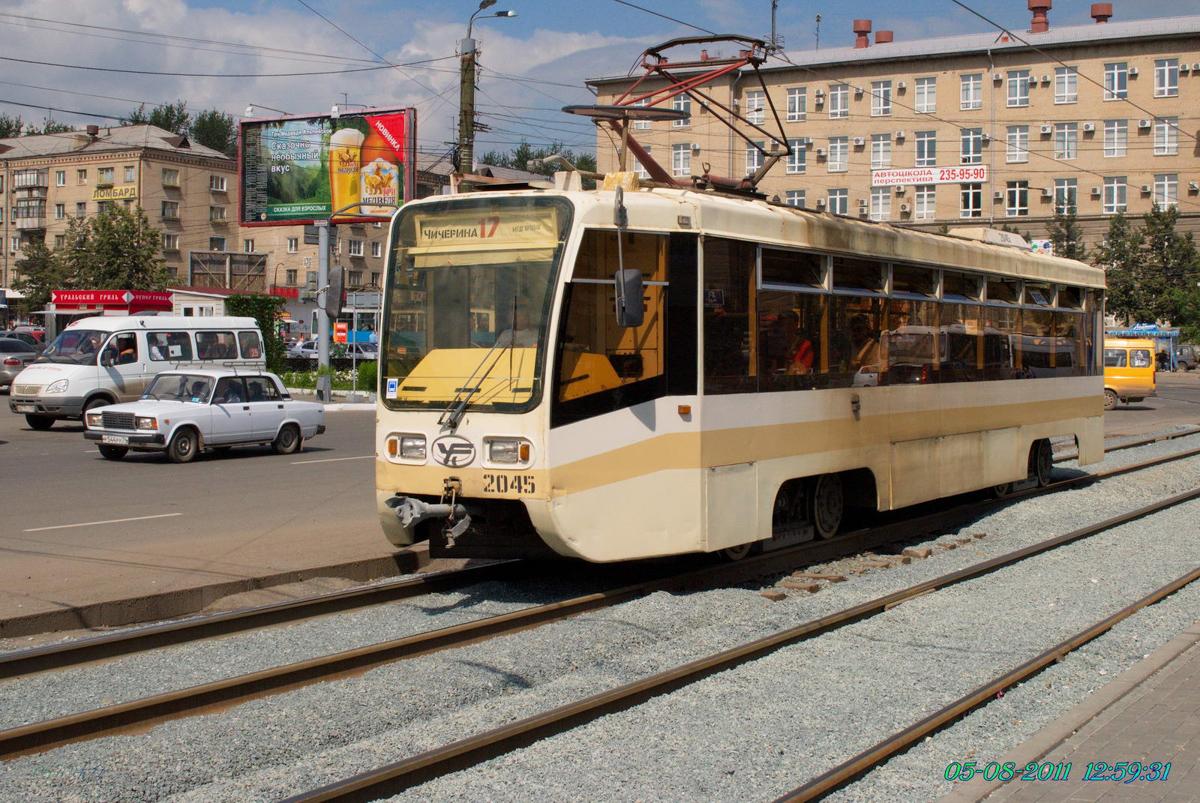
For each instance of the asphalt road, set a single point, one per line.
(76, 528)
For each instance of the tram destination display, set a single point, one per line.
(304, 168)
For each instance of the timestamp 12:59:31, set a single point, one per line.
(1122, 771)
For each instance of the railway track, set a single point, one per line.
(142, 714)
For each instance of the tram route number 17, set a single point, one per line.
(488, 226)
(506, 483)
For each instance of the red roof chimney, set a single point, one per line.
(883, 37)
(1039, 8)
(1101, 12)
(862, 28)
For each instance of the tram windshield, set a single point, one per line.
(468, 302)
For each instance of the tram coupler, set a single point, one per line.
(412, 512)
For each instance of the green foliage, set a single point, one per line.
(10, 126)
(519, 157)
(266, 310)
(48, 127)
(215, 129)
(1152, 270)
(118, 250)
(39, 274)
(1066, 236)
(1128, 297)
(368, 375)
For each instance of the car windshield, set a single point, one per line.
(180, 387)
(75, 346)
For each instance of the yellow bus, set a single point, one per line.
(1128, 370)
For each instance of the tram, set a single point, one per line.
(783, 364)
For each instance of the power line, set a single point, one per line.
(664, 16)
(199, 75)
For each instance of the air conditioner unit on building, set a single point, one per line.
(820, 151)
(1045, 79)
(862, 201)
(1095, 192)
(820, 202)
(695, 147)
(901, 85)
(985, 138)
(1146, 188)
(904, 208)
(858, 91)
(900, 189)
(1196, 67)
(859, 142)
(1144, 123)
(1089, 126)
(1133, 71)
(1046, 129)
(1193, 186)
(998, 195)
(820, 93)
(998, 76)
(805, 141)
(1184, 67)
(899, 135)
(1047, 192)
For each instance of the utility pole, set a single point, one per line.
(466, 92)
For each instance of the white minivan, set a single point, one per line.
(108, 360)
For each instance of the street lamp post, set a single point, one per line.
(466, 93)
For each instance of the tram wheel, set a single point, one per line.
(826, 504)
(1041, 461)
(1002, 490)
(739, 552)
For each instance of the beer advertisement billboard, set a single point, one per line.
(302, 169)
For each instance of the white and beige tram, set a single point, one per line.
(786, 364)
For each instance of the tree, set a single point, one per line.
(10, 126)
(137, 117)
(39, 273)
(122, 252)
(266, 310)
(1174, 258)
(171, 117)
(520, 157)
(215, 129)
(1121, 256)
(1065, 234)
(49, 126)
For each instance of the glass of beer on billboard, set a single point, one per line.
(345, 150)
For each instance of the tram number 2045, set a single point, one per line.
(508, 483)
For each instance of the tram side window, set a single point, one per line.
(1038, 343)
(855, 355)
(1071, 357)
(910, 343)
(1002, 344)
(728, 341)
(790, 353)
(964, 347)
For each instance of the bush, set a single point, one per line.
(368, 375)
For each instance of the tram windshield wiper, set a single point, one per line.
(458, 405)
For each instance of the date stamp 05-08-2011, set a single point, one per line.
(1120, 772)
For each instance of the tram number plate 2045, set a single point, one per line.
(508, 483)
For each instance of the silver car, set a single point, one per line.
(14, 356)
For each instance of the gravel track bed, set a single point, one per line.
(750, 733)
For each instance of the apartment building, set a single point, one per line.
(962, 130)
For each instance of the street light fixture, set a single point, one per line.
(466, 95)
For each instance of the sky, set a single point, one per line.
(530, 65)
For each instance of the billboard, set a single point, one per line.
(929, 175)
(301, 169)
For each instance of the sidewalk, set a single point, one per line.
(306, 394)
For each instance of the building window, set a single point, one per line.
(797, 104)
(797, 161)
(216, 183)
(170, 177)
(60, 240)
(1066, 85)
(293, 245)
(1066, 140)
(756, 106)
(376, 249)
(839, 154)
(1066, 194)
(971, 96)
(1166, 189)
(1016, 202)
(681, 159)
(1166, 136)
(1116, 81)
(881, 203)
(839, 100)
(356, 248)
(290, 277)
(14, 244)
(1116, 137)
(682, 103)
(926, 199)
(881, 151)
(1114, 195)
(106, 175)
(81, 209)
(170, 242)
(970, 200)
(1018, 88)
(794, 197)
(971, 152)
(248, 246)
(839, 201)
(639, 168)
(1018, 144)
(130, 173)
(60, 178)
(926, 149)
(641, 125)
(60, 211)
(375, 278)
(881, 98)
(81, 176)
(1166, 78)
(170, 210)
(926, 95)
(101, 207)
(216, 214)
(754, 156)
(216, 243)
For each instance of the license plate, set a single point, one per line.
(122, 440)
(26, 408)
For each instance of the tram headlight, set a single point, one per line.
(508, 450)
(412, 447)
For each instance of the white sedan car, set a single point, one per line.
(186, 412)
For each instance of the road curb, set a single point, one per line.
(188, 601)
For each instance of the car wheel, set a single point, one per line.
(1110, 400)
(183, 446)
(94, 402)
(111, 452)
(39, 422)
(287, 441)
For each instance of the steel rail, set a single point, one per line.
(877, 754)
(1170, 436)
(397, 776)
